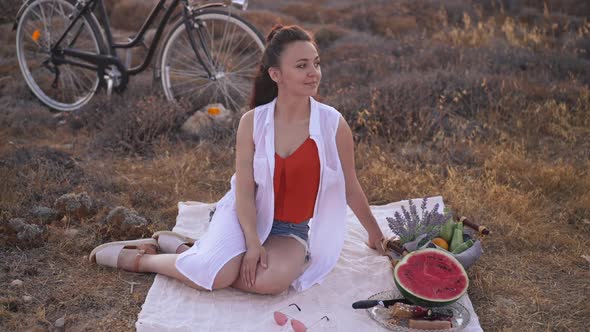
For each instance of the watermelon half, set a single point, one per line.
(430, 277)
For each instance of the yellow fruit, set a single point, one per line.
(439, 241)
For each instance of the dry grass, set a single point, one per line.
(485, 103)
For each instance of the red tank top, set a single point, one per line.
(296, 183)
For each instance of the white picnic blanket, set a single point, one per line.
(359, 273)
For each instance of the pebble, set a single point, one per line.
(60, 322)
(72, 231)
(27, 298)
(16, 283)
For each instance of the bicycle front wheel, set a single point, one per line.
(228, 45)
(62, 87)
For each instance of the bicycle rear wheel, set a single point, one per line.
(233, 49)
(63, 87)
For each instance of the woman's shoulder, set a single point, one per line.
(327, 109)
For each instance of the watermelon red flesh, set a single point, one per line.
(431, 277)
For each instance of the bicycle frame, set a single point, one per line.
(100, 62)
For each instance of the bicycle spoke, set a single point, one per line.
(188, 90)
(235, 51)
(183, 50)
(235, 104)
(29, 35)
(45, 25)
(192, 81)
(222, 41)
(236, 45)
(185, 73)
(250, 57)
(75, 81)
(226, 45)
(240, 86)
(62, 86)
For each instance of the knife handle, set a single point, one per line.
(365, 304)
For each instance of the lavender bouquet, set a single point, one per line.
(409, 225)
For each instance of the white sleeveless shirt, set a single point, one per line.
(224, 238)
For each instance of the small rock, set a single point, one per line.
(60, 322)
(196, 123)
(23, 234)
(124, 223)
(27, 298)
(16, 283)
(46, 215)
(202, 119)
(72, 232)
(77, 206)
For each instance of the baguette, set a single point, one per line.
(429, 324)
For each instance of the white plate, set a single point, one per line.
(382, 315)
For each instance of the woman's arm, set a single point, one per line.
(246, 200)
(355, 197)
(245, 187)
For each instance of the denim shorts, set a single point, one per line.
(299, 232)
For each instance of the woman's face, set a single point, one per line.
(299, 70)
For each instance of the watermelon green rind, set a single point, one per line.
(412, 295)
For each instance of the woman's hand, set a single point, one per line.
(376, 242)
(253, 255)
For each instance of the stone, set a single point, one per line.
(72, 232)
(23, 234)
(46, 215)
(27, 298)
(16, 283)
(205, 118)
(60, 322)
(124, 223)
(77, 206)
(196, 123)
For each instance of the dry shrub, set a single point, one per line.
(469, 34)
(26, 119)
(312, 12)
(8, 61)
(557, 181)
(327, 34)
(129, 14)
(8, 10)
(357, 59)
(570, 7)
(35, 176)
(447, 105)
(391, 18)
(531, 245)
(134, 126)
(264, 20)
(392, 179)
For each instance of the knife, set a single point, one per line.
(365, 304)
(424, 313)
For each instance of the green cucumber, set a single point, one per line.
(457, 239)
(446, 231)
(463, 246)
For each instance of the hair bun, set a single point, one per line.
(275, 29)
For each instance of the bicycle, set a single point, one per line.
(210, 54)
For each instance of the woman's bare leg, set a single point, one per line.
(286, 262)
(182, 248)
(166, 264)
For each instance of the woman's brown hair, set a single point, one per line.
(265, 89)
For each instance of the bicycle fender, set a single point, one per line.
(20, 13)
(176, 16)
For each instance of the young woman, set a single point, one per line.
(283, 221)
